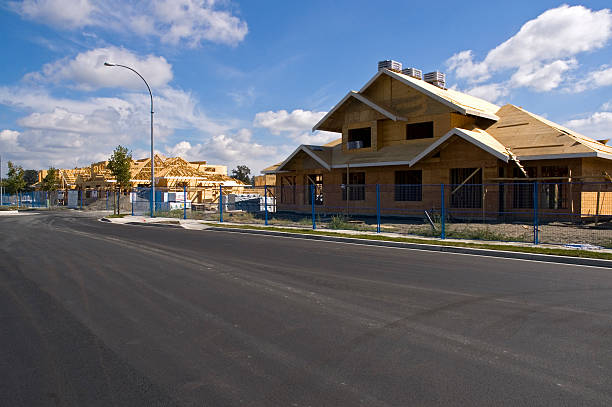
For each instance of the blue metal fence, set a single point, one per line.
(534, 212)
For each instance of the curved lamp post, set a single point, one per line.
(152, 156)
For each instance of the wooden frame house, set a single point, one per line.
(400, 130)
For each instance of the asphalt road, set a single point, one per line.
(94, 314)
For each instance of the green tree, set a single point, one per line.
(119, 165)
(30, 177)
(51, 181)
(241, 173)
(14, 182)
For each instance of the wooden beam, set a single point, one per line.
(466, 180)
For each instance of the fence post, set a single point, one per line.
(535, 213)
(220, 203)
(312, 199)
(442, 214)
(132, 201)
(377, 208)
(184, 201)
(266, 202)
(107, 199)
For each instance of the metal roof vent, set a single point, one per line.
(436, 78)
(390, 65)
(415, 73)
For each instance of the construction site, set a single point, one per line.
(92, 186)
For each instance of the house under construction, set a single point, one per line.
(201, 179)
(406, 132)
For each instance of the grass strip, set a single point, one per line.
(508, 248)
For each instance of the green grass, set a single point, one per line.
(509, 248)
(482, 234)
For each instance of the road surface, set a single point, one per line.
(95, 314)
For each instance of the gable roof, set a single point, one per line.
(461, 102)
(352, 94)
(308, 150)
(479, 138)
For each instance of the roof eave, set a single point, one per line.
(594, 154)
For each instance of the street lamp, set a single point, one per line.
(152, 156)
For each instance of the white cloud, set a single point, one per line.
(173, 21)
(59, 131)
(62, 13)
(87, 71)
(195, 21)
(598, 125)
(463, 65)
(296, 125)
(541, 77)
(492, 92)
(232, 150)
(8, 139)
(543, 49)
(594, 79)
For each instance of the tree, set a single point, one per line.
(14, 182)
(51, 181)
(119, 165)
(30, 177)
(241, 173)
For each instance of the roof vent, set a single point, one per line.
(415, 73)
(436, 78)
(390, 64)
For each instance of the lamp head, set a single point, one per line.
(108, 64)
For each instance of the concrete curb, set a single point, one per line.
(549, 258)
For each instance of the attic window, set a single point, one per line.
(419, 130)
(359, 138)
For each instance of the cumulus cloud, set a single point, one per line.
(62, 13)
(8, 139)
(189, 22)
(594, 79)
(598, 125)
(541, 77)
(492, 92)
(58, 131)
(296, 125)
(234, 149)
(543, 49)
(87, 71)
(197, 20)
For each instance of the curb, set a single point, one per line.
(548, 258)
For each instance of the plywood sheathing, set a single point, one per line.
(529, 135)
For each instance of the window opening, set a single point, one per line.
(355, 186)
(408, 185)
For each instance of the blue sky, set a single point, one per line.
(243, 82)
